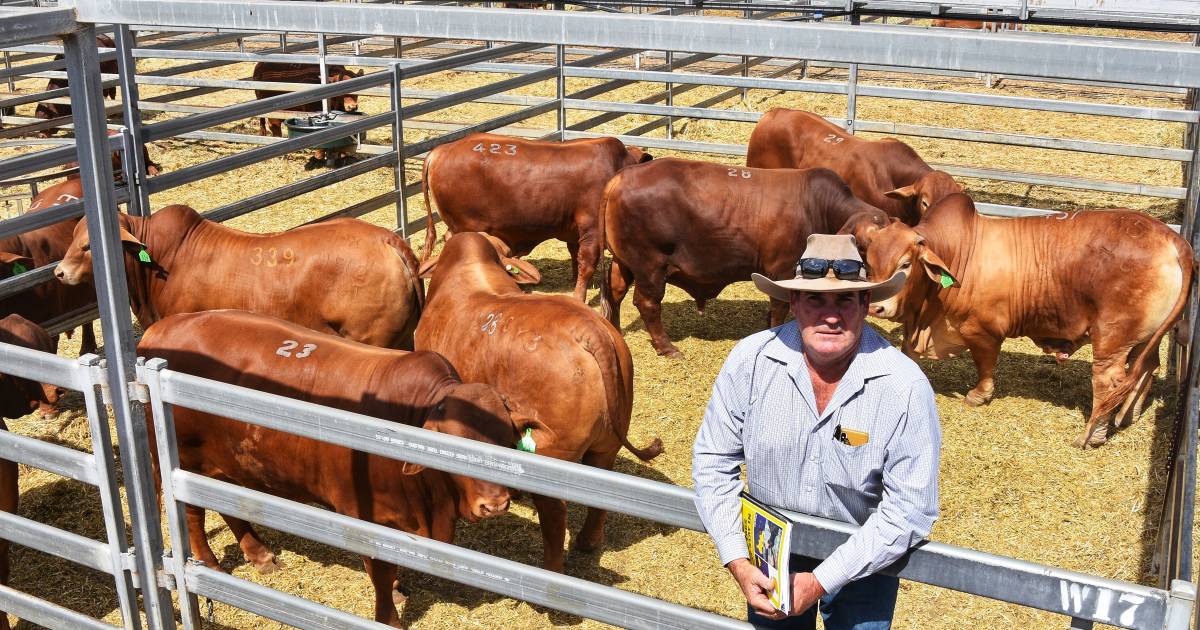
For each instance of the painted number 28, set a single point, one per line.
(505, 149)
(734, 172)
(290, 344)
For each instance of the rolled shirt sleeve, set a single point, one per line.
(909, 504)
(717, 457)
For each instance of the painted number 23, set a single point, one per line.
(290, 344)
(506, 149)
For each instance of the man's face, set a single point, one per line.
(830, 323)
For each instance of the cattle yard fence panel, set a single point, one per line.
(776, 45)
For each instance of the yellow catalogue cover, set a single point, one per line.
(769, 537)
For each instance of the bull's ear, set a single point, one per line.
(522, 420)
(937, 269)
(907, 192)
(426, 268)
(14, 264)
(646, 157)
(521, 271)
(128, 238)
(359, 73)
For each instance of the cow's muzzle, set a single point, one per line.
(487, 508)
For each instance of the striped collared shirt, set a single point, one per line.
(763, 414)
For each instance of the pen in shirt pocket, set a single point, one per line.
(850, 437)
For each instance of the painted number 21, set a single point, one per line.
(506, 149)
(290, 344)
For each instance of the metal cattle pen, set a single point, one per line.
(1085, 599)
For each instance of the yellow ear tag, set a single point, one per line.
(526, 442)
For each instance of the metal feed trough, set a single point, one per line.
(579, 44)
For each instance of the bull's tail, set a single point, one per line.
(1133, 376)
(617, 371)
(606, 307)
(430, 230)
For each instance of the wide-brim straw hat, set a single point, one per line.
(830, 247)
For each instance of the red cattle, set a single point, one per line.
(49, 111)
(302, 73)
(1115, 278)
(885, 173)
(343, 276)
(18, 397)
(527, 191)
(419, 389)
(976, 25)
(553, 358)
(703, 226)
(46, 246)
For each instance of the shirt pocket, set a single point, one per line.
(854, 468)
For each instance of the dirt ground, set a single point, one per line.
(1011, 484)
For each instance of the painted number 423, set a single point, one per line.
(290, 344)
(499, 149)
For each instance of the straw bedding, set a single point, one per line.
(1011, 483)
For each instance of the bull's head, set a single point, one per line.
(346, 102)
(635, 155)
(19, 396)
(475, 411)
(14, 264)
(479, 247)
(894, 247)
(76, 265)
(931, 188)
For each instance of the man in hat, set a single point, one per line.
(829, 420)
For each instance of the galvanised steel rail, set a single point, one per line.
(1083, 597)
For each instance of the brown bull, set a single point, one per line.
(50, 111)
(18, 397)
(46, 246)
(702, 226)
(527, 191)
(885, 173)
(418, 389)
(302, 73)
(1114, 278)
(344, 276)
(554, 359)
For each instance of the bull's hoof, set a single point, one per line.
(313, 163)
(48, 412)
(1097, 440)
(399, 598)
(671, 353)
(976, 398)
(345, 160)
(589, 544)
(268, 566)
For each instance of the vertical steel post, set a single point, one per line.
(168, 463)
(324, 70)
(560, 59)
(851, 98)
(670, 91)
(134, 159)
(110, 494)
(746, 14)
(112, 295)
(398, 147)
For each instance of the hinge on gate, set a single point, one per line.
(139, 391)
(129, 563)
(166, 579)
(105, 394)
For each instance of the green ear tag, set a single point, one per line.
(516, 271)
(144, 256)
(18, 268)
(947, 280)
(526, 443)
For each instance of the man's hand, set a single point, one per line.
(756, 587)
(806, 590)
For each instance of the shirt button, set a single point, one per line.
(816, 459)
(808, 488)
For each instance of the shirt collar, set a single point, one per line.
(787, 348)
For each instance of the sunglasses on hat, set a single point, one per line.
(844, 269)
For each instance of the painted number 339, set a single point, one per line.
(290, 344)
(504, 149)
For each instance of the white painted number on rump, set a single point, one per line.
(496, 149)
(290, 344)
(833, 138)
(734, 172)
